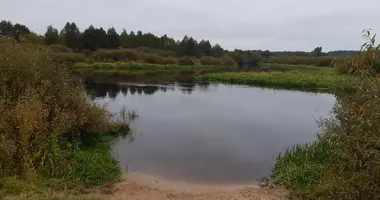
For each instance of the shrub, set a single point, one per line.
(228, 61)
(164, 53)
(66, 57)
(208, 60)
(151, 58)
(186, 60)
(115, 55)
(46, 116)
(58, 48)
(324, 61)
(169, 61)
(352, 168)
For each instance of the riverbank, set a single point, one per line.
(281, 76)
(297, 80)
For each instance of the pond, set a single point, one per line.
(211, 133)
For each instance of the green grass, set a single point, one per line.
(303, 168)
(299, 80)
(14, 188)
(134, 66)
(94, 165)
(287, 67)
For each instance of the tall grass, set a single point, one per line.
(47, 121)
(344, 163)
(302, 80)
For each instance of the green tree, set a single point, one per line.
(113, 38)
(266, 54)
(6, 28)
(51, 36)
(317, 51)
(94, 38)
(124, 37)
(132, 40)
(71, 35)
(217, 51)
(204, 48)
(21, 29)
(188, 46)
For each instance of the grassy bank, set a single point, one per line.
(299, 80)
(52, 138)
(136, 66)
(288, 67)
(344, 163)
(141, 72)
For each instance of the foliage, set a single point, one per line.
(115, 55)
(15, 31)
(66, 57)
(58, 48)
(113, 38)
(47, 120)
(228, 61)
(317, 52)
(51, 36)
(302, 166)
(71, 35)
(31, 38)
(186, 60)
(169, 61)
(302, 60)
(246, 59)
(367, 61)
(208, 60)
(344, 163)
(312, 80)
(151, 58)
(131, 66)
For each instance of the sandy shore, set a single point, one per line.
(142, 187)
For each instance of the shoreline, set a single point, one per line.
(146, 187)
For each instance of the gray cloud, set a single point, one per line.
(246, 24)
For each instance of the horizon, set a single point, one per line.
(330, 25)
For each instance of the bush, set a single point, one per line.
(324, 61)
(228, 61)
(348, 167)
(164, 53)
(151, 58)
(66, 57)
(208, 60)
(186, 60)
(115, 55)
(58, 48)
(169, 61)
(46, 116)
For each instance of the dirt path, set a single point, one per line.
(140, 187)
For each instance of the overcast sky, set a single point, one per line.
(244, 24)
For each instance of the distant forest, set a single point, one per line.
(93, 38)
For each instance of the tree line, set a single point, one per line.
(93, 39)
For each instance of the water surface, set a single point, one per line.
(211, 133)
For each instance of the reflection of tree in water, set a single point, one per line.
(124, 90)
(113, 91)
(204, 86)
(132, 90)
(140, 90)
(95, 90)
(187, 87)
(100, 90)
(149, 90)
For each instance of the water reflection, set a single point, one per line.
(111, 90)
(211, 133)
